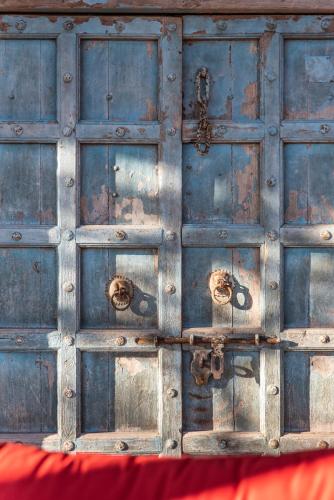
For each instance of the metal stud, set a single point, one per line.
(326, 235)
(273, 443)
(68, 340)
(114, 195)
(120, 341)
(171, 77)
(272, 390)
(68, 446)
(171, 131)
(223, 444)
(67, 131)
(20, 25)
(109, 97)
(323, 445)
(120, 234)
(272, 130)
(18, 130)
(69, 182)
(68, 235)
(222, 25)
(67, 77)
(273, 285)
(19, 340)
(16, 236)
(120, 131)
(220, 131)
(68, 287)
(223, 235)
(116, 168)
(119, 27)
(172, 393)
(121, 446)
(324, 128)
(272, 235)
(271, 182)
(325, 23)
(68, 393)
(68, 25)
(325, 339)
(270, 76)
(171, 27)
(11, 96)
(170, 289)
(271, 25)
(171, 444)
(170, 236)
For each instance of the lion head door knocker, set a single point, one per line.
(221, 286)
(119, 291)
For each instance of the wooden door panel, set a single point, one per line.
(131, 402)
(28, 187)
(119, 80)
(28, 80)
(28, 396)
(244, 266)
(223, 186)
(119, 184)
(231, 404)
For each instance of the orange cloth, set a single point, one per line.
(28, 473)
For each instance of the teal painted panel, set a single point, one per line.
(28, 288)
(28, 80)
(98, 265)
(28, 184)
(119, 184)
(28, 395)
(119, 80)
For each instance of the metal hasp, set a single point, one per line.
(204, 130)
(221, 286)
(120, 291)
(210, 361)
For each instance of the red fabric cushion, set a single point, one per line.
(27, 473)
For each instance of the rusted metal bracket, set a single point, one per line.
(200, 367)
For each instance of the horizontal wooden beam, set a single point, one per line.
(223, 443)
(143, 443)
(123, 236)
(226, 131)
(90, 132)
(308, 236)
(169, 6)
(222, 236)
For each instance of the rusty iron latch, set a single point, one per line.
(204, 130)
(207, 362)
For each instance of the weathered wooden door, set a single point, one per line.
(100, 177)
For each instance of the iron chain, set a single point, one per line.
(203, 136)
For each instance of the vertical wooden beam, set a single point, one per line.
(68, 386)
(271, 198)
(170, 169)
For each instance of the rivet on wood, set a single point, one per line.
(170, 289)
(68, 393)
(220, 131)
(324, 128)
(270, 76)
(222, 25)
(19, 340)
(273, 443)
(18, 130)
(171, 444)
(68, 446)
(271, 182)
(171, 27)
(119, 27)
(271, 25)
(322, 444)
(326, 235)
(223, 235)
(67, 77)
(68, 340)
(272, 235)
(69, 182)
(223, 444)
(120, 341)
(67, 131)
(121, 446)
(20, 25)
(11, 96)
(325, 23)
(109, 97)
(171, 77)
(68, 235)
(68, 287)
(272, 130)
(68, 25)
(114, 195)
(16, 236)
(325, 339)
(120, 234)
(272, 389)
(171, 131)
(172, 393)
(170, 236)
(120, 131)
(273, 285)
(116, 168)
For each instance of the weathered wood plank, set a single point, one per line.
(219, 235)
(226, 131)
(49, 442)
(143, 443)
(223, 443)
(22, 236)
(137, 236)
(311, 235)
(101, 133)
